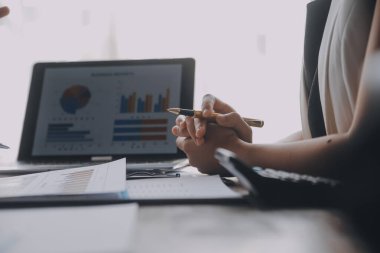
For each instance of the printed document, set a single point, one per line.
(102, 178)
(186, 187)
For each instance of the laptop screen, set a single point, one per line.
(80, 110)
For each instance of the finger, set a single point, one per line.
(200, 127)
(212, 104)
(208, 102)
(234, 120)
(191, 128)
(177, 131)
(180, 128)
(4, 11)
(200, 130)
(185, 144)
(180, 142)
(179, 120)
(180, 132)
(181, 123)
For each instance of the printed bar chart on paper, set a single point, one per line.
(102, 178)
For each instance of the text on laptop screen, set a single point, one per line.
(101, 110)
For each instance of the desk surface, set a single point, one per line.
(218, 228)
(242, 228)
(226, 228)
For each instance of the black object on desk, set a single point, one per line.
(152, 173)
(281, 188)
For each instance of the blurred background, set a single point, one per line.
(248, 52)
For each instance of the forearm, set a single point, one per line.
(320, 156)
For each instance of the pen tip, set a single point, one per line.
(173, 110)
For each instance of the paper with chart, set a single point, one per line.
(102, 178)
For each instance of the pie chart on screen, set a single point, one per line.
(74, 98)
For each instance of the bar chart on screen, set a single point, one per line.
(115, 110)
(144, 104)
(142, 120)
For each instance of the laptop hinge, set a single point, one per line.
(101, 158)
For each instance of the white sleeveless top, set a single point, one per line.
(340, 61)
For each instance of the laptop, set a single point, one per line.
(80, 113)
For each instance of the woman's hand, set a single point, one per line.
(196, 128)
(199, 139)
(202, 156)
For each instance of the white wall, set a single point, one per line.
(248, 52)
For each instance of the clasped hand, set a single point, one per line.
(199, 139)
